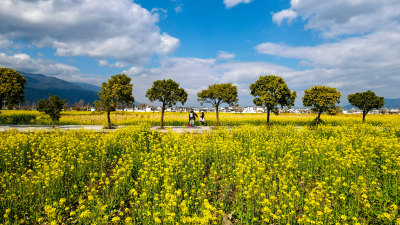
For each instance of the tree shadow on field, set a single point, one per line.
(313, 124)
(110, 127)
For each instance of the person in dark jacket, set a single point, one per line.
(192, 117)
(202, 119)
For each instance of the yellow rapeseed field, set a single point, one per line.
(347, 174)
(181, 119)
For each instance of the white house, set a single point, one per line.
(249, 109)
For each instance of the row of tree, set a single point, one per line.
(269, 91)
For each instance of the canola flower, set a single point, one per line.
(181, 119)
(268, 175)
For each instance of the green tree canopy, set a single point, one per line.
(271, 91)
(12, 87)
(52, 107)
(321, 99)
(118, 89)
(216, 94)
(168, 93)
(366, 101)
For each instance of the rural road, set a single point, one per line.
(99, 128)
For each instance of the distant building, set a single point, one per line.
(249, 109)
(206, 109)
(393, 111)
(352, 111)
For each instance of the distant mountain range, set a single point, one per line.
(392, 103)
(88, 87)
(389, 103)
(39, 86)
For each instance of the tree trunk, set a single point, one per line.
(268, 113)
(162, 116)
(108, 119)
(318, 118)
(364, 114)
(53, 124)
(1, 103)
(216, 110)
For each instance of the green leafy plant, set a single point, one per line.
(271, 91)
(52, 107)
(168, 93)
(217, 94)
(366, 101)
(321, 99)
(12, 87)
(118, 89)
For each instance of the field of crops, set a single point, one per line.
(247, 175)
(181, 119)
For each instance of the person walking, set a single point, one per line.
(202, 119)
(192, 117)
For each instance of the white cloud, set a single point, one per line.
(377, 50)
(118, 29)
(21, 56)
(286, 14)
(24, 63)
(352, 64)
(195, 74)
(232, 3)
(119, 64)
(225, 55)
(160, 12)
(342, 17)
(364, 54)
(140, 71)
(103, 62)
(178, 9)
(4, 42)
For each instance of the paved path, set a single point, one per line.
(31, 128)
(98, 128)
(183, 129)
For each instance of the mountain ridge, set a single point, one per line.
(390, 103)
(39, 86)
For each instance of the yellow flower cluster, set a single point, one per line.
(181, 119)
(248, 175)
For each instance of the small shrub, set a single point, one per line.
(17, 119)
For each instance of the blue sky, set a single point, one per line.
(209, 27)
(352, 45)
